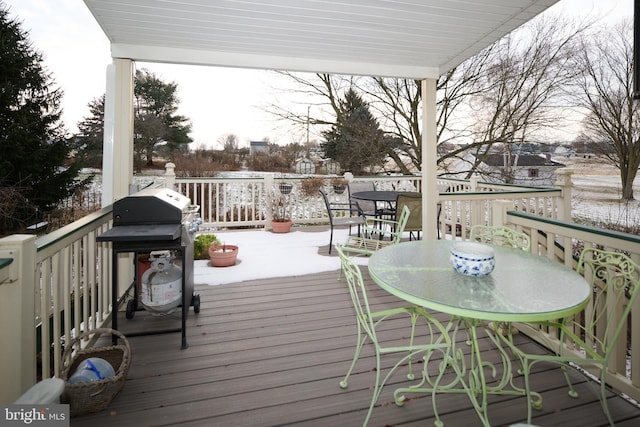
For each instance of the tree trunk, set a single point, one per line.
(627, 185)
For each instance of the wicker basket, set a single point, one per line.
(94, 396)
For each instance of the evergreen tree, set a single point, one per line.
(90, 139)
(356, 140)
(36, 171)
(156, 118)
(155, 122)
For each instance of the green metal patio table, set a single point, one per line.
(523, 287)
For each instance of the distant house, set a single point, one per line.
(522, 169)
(304, 166)
(562, 151)
(257, 147)
(330, 166)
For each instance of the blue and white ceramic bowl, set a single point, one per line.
(472, 259)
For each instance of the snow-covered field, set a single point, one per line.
(597, 193)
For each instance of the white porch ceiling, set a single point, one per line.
(395, 38)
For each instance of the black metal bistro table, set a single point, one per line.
(385, 196)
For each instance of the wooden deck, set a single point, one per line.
(272, 352)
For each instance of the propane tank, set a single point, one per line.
(161, 289)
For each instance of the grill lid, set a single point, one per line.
(150, 206)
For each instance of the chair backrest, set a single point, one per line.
(615, 280)
(500, 236)
(327, 203)
(367, 206)
(400, 226)
(358, 293)
(414, 202)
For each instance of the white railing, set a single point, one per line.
(72, 285)
(226, 202)
(72, 272)
(244, 202)
(562, 241)
(60, 287)
(460, 211)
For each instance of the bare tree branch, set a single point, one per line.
(611, 126)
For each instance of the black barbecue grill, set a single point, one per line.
(152, 220)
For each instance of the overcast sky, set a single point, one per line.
(217, 100)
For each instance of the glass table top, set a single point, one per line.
(522, 287)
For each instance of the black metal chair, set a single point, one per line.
(367, 207)
(341, 214)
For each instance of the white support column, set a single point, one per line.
(429, 159)
(118, 147)
(118, 131)
(17, 315)
(108, 147)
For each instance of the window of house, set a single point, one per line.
(533, 173)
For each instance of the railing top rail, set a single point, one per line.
(456, 195)
(520, 186)
(580, 231)
(491, 184)
(74, 230)
(512, 188)
(221, 178)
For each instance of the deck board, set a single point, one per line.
(272, 352)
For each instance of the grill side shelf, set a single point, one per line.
(141, 233)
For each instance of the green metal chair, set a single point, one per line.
(414, 202)
(500, 236)
(414, 224)
(374, 234)
(367, 321)
(589, 338)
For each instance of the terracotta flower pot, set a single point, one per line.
(223, 256)
(281, 226)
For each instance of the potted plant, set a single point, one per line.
(310, 185)
(202, 243)
(223, 255)
(208, 246)
(285, 187)
(339, 184)
(281, 217)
